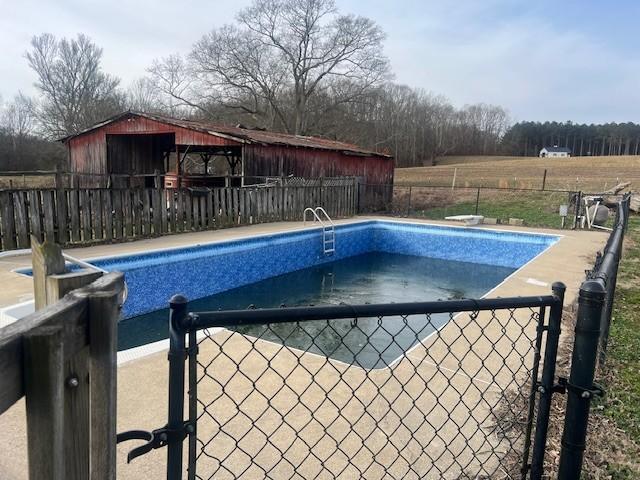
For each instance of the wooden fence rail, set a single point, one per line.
(84, 216)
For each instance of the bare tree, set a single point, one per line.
(174, 83)
(143, 96)
(20, 148)
(280, 58)
(240, 72)
(75, 92)
(17, 118)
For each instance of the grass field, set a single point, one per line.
(589, 174)
(27, 181)
(458, 159)
(535, 208)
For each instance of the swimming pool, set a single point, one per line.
(430, 262)
(374, 277)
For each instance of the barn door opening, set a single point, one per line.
(133, 159)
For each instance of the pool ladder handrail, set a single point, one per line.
(328, 229)
(83, 264)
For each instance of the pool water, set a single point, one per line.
(374, 277)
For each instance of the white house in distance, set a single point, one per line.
(555, 152)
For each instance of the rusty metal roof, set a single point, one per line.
(242, 135)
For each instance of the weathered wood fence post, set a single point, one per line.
(71, 389)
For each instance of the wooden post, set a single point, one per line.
(51, 281)
(57, 286)
(61, 208)
(8, 223)
(44, 390)
(76, 416)
(103, 341)
(47, 260)
(178, 167)
(63, 359)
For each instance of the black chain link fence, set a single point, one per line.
(372, 391)
(605, 270)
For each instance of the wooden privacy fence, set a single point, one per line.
(81, 216)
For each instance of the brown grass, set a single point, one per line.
(577, 173)
(27, 181)
(459, 159)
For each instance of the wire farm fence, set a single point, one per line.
(371, 391)
(539, 208)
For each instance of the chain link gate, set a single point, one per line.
(408, 390)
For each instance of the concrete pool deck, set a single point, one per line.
(142, 384)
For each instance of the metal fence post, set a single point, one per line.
(580, 388)
(193, 402)
(578, 198)
(477, 200)
(177, 357)
(409, 204)
(545, 388)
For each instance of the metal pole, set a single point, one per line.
(547, 382)
(580, 385)
(578, 203)
(409, 203)
(477, 200)
(177, 354)
(544, 178)
(605, 322)
(193, 403)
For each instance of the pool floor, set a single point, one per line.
(368, 278)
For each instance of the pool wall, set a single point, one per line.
(204, 270)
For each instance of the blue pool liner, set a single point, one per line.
(202, 270)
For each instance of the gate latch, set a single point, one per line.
(155, 439)
(596, 390)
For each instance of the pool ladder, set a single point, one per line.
(328, 228)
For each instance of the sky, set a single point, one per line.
(541, 60)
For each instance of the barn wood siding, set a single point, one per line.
(88, 152)
(269, 160)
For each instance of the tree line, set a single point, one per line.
(294, 66)
(527, 138)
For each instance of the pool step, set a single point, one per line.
(328, 228)
(328, 240)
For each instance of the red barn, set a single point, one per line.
(187, 152)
